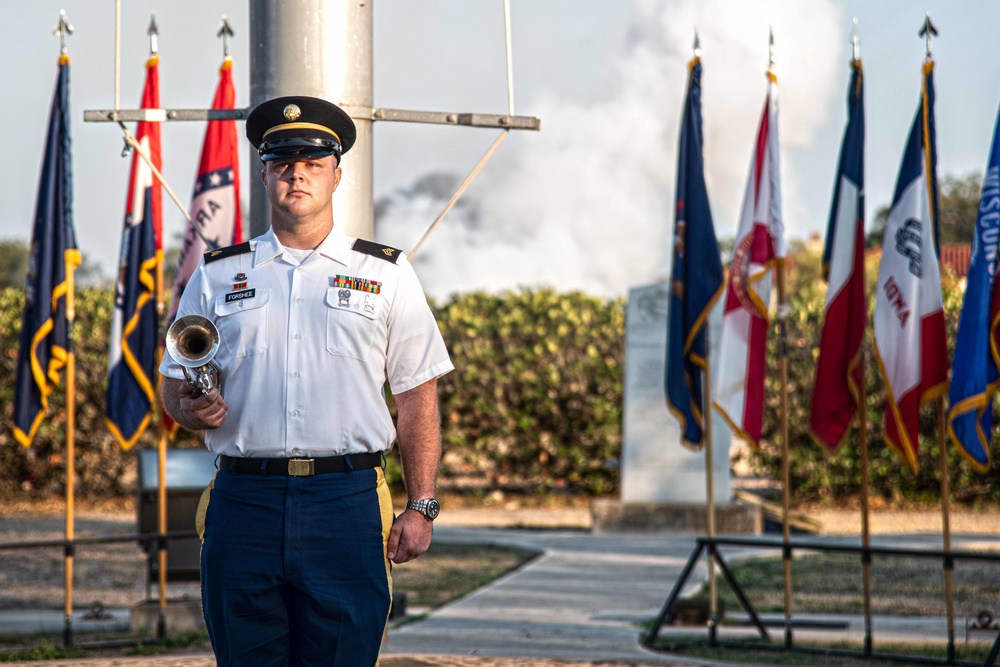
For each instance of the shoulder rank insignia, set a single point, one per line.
(228, 251)
(376, 250)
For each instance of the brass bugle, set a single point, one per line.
(192, 341)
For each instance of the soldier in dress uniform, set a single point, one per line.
(299, 531)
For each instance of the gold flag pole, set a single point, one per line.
(70, 454)
(713, 611)
(161, 446)
(64, 29)
(785, 474)
(783, 366)
(946, 528)
(866, 557)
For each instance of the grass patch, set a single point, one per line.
(813, 656)
(450, 571)
(832, 584)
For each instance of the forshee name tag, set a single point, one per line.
(242, 294)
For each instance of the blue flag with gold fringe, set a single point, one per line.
(45, 328)
(974, 373)
(696, 276)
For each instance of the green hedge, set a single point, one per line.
(534, 404)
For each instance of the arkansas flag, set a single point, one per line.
(976, 369)
(836, 391)
(910, 341)
(134, 338)
(739, 390)
(215, 206)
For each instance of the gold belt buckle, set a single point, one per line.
(301, 467)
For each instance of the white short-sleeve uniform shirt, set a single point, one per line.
(308, 344)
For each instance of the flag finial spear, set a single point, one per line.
(927, 31)
(64, 30)
(770, 49)
(153, 31)
(696, 47)
(225, 32)
(856, 40)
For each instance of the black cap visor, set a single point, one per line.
(302, 147)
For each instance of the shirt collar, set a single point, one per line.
(336, 246)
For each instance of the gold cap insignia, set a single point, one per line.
(292, 112)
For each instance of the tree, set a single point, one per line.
(958, 202)
(13, 263)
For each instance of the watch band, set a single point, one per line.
(429, 507)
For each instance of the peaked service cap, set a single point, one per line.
(299, 126)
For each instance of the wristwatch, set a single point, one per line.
(429, 507)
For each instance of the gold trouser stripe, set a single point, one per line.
(199, 515)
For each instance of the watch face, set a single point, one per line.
(433, 508)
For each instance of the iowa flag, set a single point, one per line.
(910, 341)
(836, 390)
(215, 205)
(45, 328)
(739, 391)
(134, 337)
(696, 276)
(974, 373)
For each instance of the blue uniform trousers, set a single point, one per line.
(294, 569)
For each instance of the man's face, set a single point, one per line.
(301, 187)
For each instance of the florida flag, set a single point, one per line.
(215, 206)
(739, 390)
(836, 391)
(974, 374)
(910, 341)
(134, 338)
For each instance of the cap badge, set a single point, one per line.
(292, 112)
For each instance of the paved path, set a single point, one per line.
(577, 605)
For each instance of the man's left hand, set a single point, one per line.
(410, 536)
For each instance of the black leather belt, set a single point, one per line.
(300, 467)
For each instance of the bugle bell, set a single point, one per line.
(192, 342)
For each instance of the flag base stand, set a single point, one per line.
(615, 516)
(178, 616)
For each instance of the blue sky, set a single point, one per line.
(586, 202)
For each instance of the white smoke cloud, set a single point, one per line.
(587, 202)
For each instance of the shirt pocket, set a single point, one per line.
(352, 321)
(243, 323)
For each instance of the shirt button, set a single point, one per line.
(295, 413)
(297, 336)
(296, 452)
(298, 300)
(295, 374)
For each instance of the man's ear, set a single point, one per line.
(263, 174)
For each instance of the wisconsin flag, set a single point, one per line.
(837, 387)
(134, 337)
(739, 391)
(974, 373)
(45, 328)
(910, 341)
(215, 205)
(696, 277)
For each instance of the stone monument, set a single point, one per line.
(663, 483)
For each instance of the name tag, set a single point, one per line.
(243, 294)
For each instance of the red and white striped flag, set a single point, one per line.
(739, 388)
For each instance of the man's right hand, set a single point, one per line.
(192, 409)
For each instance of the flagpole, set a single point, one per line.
(70, 452)
(785, 474)
(713, 611)
(866, 556)
(928, 31)
(783, 366)
(161, 445)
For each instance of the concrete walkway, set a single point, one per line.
(580, 602)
